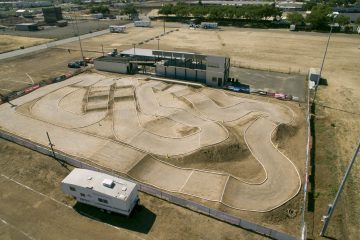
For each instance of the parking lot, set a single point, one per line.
(290, 84)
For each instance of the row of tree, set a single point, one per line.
(252, 12)
(319, 18)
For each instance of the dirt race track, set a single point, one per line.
(140, 127)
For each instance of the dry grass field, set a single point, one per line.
(26, 214)
(8, 42)
(337, 111)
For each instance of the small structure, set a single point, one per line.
(101, 190)
(23, 13)
(209, 25)
(142, 23)
(26, 27)
(62, 23)
(117, 28)
(116, 63)
(97, 15)
(314, 75)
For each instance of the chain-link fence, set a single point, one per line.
(272, 233)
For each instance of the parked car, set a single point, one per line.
(74, 65)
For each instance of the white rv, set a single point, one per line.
(101, 190)
(117, 29)
(209, 25)
(142, 23)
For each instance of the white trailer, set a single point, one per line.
(209, 25)
(142, 23)
(101, 190)
(117, 28)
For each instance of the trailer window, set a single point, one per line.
(102, 200)
(72, 188)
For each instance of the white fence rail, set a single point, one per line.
(272, 233)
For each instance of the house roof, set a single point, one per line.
(100, 182)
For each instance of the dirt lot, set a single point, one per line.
(8, 43)
(26, 214)
(337, 124)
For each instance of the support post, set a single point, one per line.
(77, 28)
(326, 218)
(51, 145)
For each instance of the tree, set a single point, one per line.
(358, 20)
(319, 16)
(129, 10)
(343, 20)
(166, 9)
(309, 5)
(100, 9)
(295, 18)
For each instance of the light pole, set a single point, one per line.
(333, 15)
(134, 44)
(158, 39)
(326, 218)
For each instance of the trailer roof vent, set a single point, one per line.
(124, 188)
(108, 183)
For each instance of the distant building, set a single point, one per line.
(117, 64)
(23, 13)
(205, 69)
(52, 15)
(26, 27)
(62, 23)
(210, 70)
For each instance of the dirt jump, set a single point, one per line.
(148, 130)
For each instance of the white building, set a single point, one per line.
(117, 64)
(142, 23)
(314, 74)
(209, 25)
(101, 190)
(210, 70)
(117, 28)
(23, 13)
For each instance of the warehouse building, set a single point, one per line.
(210, 70)
(117, 64)
(26, 27)
(52, 15)
(206, 69)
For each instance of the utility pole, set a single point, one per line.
(331, 207)
(51, 145)
(334, 15)
(158, 39)
(77, 28)
(164, 24)
(134, 44)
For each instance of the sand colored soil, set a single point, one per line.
(150, 130)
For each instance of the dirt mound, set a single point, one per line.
(231, 156)
(283, 132)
